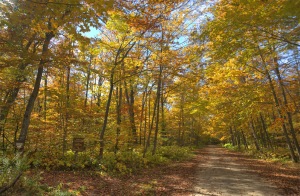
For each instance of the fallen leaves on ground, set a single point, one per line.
(175, 178)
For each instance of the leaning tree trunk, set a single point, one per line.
(283, 127)
(244, 138)
(106, 115)
(255, 136)
(286, 105)
(265, 130)
(34, 94)
(12, 93)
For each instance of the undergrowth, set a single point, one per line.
(279, 154)
(121, 163)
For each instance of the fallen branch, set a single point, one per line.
(11, 184)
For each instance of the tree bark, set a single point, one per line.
(67, 114)
(11, 184)
(232, 136)
(149, 135)
(290, 120)
(265, 130)
(262, 135)
(106, 115)
(119, 103)
(157, 116)
(283, 127)
(12, 93)
(142, 114)
(244, 138)
(255, 136)
(130, 102)
(34, 94)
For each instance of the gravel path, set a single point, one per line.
(219, 175)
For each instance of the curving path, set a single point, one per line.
(219, 175)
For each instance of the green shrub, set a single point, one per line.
(227, 145)
(10, 169)
(174, 152)
(131, 161)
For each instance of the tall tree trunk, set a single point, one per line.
(67, 114)
(290, 120)
(163, 125)
(237, 137)
(182, 124)
(106, 115)
(265, 130)
(12, 93)
(192, 132)
(132, 115)
(119, 104)
(262, 135)
(232, 136)
(157, 116)
(149, 135)
(255, 136)
(87, 88)
(142, 114)
(244, 138)
(145, 126)
(130, 102)
(283, 127)
(34, 94)
(179, 130)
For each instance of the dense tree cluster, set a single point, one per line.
(158, 73)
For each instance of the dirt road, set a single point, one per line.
(220, 175)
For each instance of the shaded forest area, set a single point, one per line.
(155, 81)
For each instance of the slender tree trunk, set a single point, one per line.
(149, 135)
(262, 135)
(34, 94)
(179, 130)
(12, 93)
(290, 120)
(278, 109)
(255, 136)
(130, 102)
(232, 136)
(163, 123)
(192, 132)
(106, 115)
(145, 126)
(183, 128)
(157, 117)
(265, 130)
(237, 137)
(245, 141)
(67, 114)
(119, 105)
(142, 114)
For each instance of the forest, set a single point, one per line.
(137, 83)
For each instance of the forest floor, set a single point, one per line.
(211, 171)
(175, 178)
